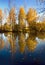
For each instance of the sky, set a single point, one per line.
(4, 4)
(18, 3)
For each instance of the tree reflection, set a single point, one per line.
(12, 41)
(1, 44)
(41, 35)
(22, 42)
(31, 43)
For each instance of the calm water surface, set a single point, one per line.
(19, 49)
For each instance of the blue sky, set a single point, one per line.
(3, 4)
(18, 3)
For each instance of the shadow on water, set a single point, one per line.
(22, 48)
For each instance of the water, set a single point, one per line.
(19, 49)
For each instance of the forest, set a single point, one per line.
(27, 22)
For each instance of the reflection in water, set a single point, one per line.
(41, 35)
(24, 41)
(19, 48)
(31, 43)
(12, 41)
(1, 44)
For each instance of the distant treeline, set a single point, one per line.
(27, 22)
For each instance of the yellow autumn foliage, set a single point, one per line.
(21, 17)
(22, 13)
(1, 14)
(31, 15)
(12, 15)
